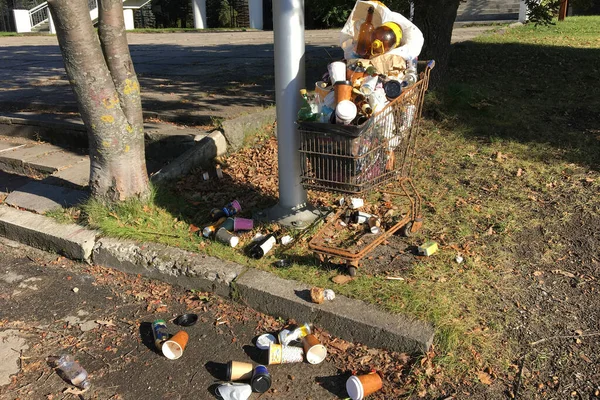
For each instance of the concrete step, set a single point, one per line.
(40, 197)
(163, 140)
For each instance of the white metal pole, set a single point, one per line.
(288, 31)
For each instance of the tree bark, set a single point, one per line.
(109, 104)
(436, 19)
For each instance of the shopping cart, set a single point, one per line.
(359, 161)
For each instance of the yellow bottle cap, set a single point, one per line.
(303, 91)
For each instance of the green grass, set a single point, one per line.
(518, 124)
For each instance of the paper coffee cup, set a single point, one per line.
(239, 371)
(237, 391)
(369, 84)
(356, 202)
(359, 387)
(224, 236)
(173, 348)
(337, 71)
(265, 340)
(279, 354)
(342, 90)
(345, 112)
(314, 350)
(228, 224)
(243, 224)
(322, 90)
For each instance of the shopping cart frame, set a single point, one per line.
(347, 155)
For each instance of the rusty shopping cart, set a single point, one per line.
(374, 158)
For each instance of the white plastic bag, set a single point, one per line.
(412, 38)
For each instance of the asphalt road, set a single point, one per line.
(209, 74)
(50, 305)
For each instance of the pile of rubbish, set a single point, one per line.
(380, 62)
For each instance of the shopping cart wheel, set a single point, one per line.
(352, 266)
(352, 270)
(406, 230)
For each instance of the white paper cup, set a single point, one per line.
(345, 112)
(337, 71)
(356, 202)
(234, 391)
(369, 84)
(264, 341)
(377, 100)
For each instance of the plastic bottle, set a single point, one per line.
(385, 38)
(365, 36)
(263, 246)
(410, 74)
(306, 112)
(70, 371)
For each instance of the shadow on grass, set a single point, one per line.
(546, 97)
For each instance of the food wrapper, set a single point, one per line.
(410, 45)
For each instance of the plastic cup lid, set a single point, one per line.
(263, 342)
(186, 319)
(346, 110)
(354, 388)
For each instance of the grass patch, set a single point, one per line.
(517, 127)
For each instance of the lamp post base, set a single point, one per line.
(299, 217)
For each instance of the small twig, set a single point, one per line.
(519, 378)
(192, 378)
(159, 233)
(564, 337)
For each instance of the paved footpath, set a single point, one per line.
(106, 326)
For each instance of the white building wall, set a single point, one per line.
(22, 22)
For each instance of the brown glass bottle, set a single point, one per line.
(365, 36)
(385, 38)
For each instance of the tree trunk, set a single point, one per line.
(436, 19)
(108, 96)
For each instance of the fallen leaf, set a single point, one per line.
(484, 378)
(341, 279)
(563, 273)
(538, 273)
(194, 228)
(519, 172)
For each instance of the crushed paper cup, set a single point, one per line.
(264, 341)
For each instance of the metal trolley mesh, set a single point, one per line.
(356, 159)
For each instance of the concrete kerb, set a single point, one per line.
(175, 266)
(347, 318)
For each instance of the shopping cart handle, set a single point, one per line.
(431, 64)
